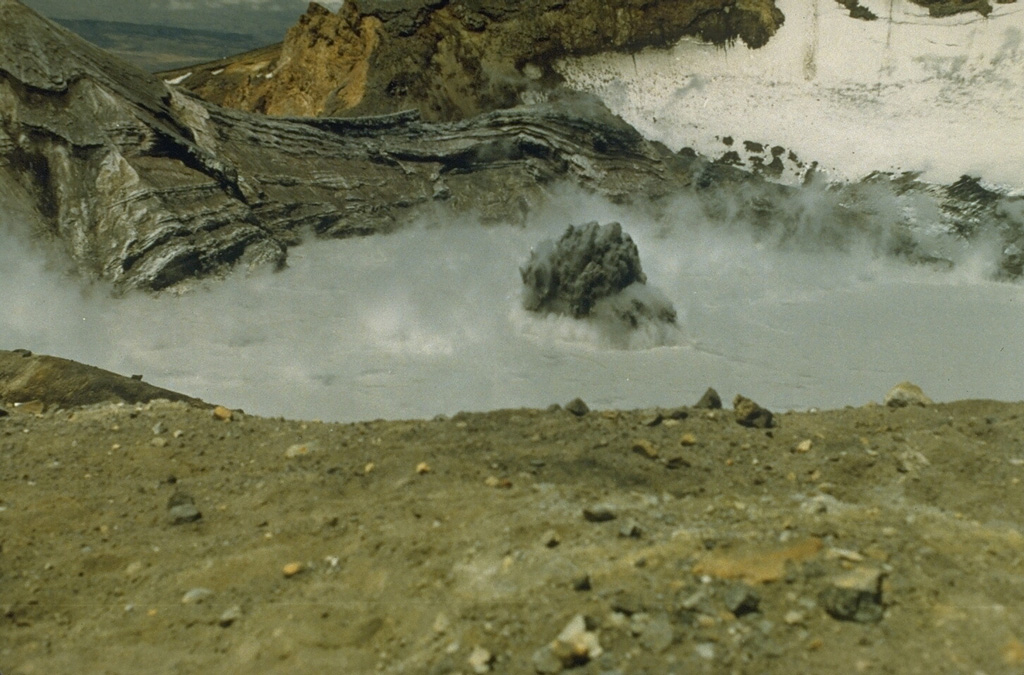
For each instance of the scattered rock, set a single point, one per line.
(577, 407)
(546, 662)
(645, 448)
(750, 414)
(298, 450)
(677, 462)
(688, 439)
(599, 513)
(196, 596)
(652, 420)
(230, 616)
(631, 529)
(741, 600)
(657, 635)
(550, 539)
(710, 400)
(181, 507)
(855, 596)
(480, 660)
(904, 394)
(803, 446)
(575, 646)
(582, 583)
(423, 468)
(221, 413)
(292, 568)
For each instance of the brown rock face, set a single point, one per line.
(452, 60)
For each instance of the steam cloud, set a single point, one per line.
(431, 320)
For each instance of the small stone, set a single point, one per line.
(657, 635)
(291, 569)
(678, 462)
(652, 420)
(577, 407)
(221, 413)
(750, 414)
(705, 650)
(159, 428)
(688, 439)
(803, 446)
(855, 596)
(196, 596)
(550, 539)
(710, 400)
(159, 442)
(645, 448)
(630, 529)
(230, 615)
(480, 660)
(575, 645)
(599, 513)
(297, 450)
(582, 584)
(442, 623)
(904, 394)
(182, 509)
(794, 617)
(741, 600)
(422, 468)
(546, 662)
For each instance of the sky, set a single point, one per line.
(261, 17)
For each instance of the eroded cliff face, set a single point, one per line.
(146, 186)
(455, 59)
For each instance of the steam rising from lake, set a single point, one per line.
(430, 320)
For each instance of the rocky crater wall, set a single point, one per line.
(452, 60)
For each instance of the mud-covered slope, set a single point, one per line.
(451, 60)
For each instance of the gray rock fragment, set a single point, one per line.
(577, 407)
(182, 509)
(710, 400)
(230, 616)
(855, 596)
(599, 513)
(741, 600)
(657, 635)
(904, 394)
(750, 414)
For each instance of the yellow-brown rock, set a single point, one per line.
(457, 59)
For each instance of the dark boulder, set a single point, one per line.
(590, 267)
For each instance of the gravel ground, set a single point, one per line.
(168, 537)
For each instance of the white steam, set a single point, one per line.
(429, 320)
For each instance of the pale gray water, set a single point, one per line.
(428, 321)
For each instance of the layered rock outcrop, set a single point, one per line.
(147, 186)
(452, 59)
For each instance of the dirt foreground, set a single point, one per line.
(167, 537)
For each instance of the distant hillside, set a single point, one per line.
(158, 47)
